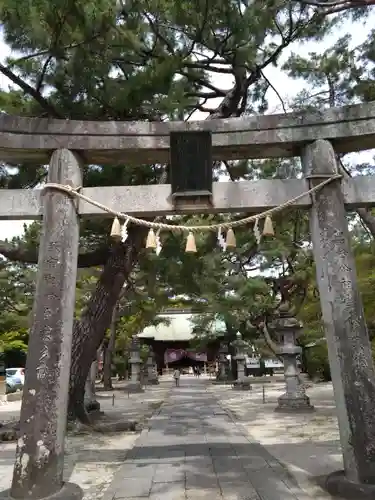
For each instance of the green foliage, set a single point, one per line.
(121, 365)
(13, 347)
(316, 362)
(14, 341)
(16, 297)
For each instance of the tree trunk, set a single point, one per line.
(91, 403)
(89, 331)
(107, 366)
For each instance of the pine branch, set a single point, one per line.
(27, 255)
(204, 83)
(333, 7)
(276, 92)
(47, 52)
(206, 67)
(28, 89)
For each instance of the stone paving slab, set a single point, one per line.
(307, 444)
(193, 449)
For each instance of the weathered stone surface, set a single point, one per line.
(338, 484)
(349, 349)
(192, 450)
(9, 431)
(148, 142)
(242, 383)
(287, 328)
(68, 491)
(155, 200)
(38, 470)
(287, 404)
(152, 374)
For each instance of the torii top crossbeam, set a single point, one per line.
(350, 128)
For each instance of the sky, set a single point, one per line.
(286, 87)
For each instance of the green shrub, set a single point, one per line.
(316, 362)
(121, 365)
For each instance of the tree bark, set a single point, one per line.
(91, 403)
(107, 366)
(89, 331)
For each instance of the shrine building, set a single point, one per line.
(173, 342)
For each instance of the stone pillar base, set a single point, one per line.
(222, 376)
(297, 404)
(337, 484)
(134, 387)
(69, 491)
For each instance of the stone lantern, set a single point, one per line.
(152, 376)
(241, 347)
(222, 375)
(135, 362)
(287, 329)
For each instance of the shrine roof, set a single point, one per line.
(179, 329)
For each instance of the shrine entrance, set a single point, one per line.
(190, 148)
(184, 359)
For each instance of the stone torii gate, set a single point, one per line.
(67, 145)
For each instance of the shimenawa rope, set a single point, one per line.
(174, 227)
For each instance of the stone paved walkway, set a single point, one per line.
(193, 450)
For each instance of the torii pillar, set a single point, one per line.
(349, 349)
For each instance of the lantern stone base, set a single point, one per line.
(92, 406)
(337, 484)
(294, 404)
(223, 377)
(134, 387)
(69, 491)
(241, 385)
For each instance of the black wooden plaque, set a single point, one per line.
(191, 163)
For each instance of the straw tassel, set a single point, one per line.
(268, 227)
(231, 239)
(159, 247)
(190, 244)
(116, 229)
(257, 234)
(151, 239)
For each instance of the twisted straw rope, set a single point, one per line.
(173, 227)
